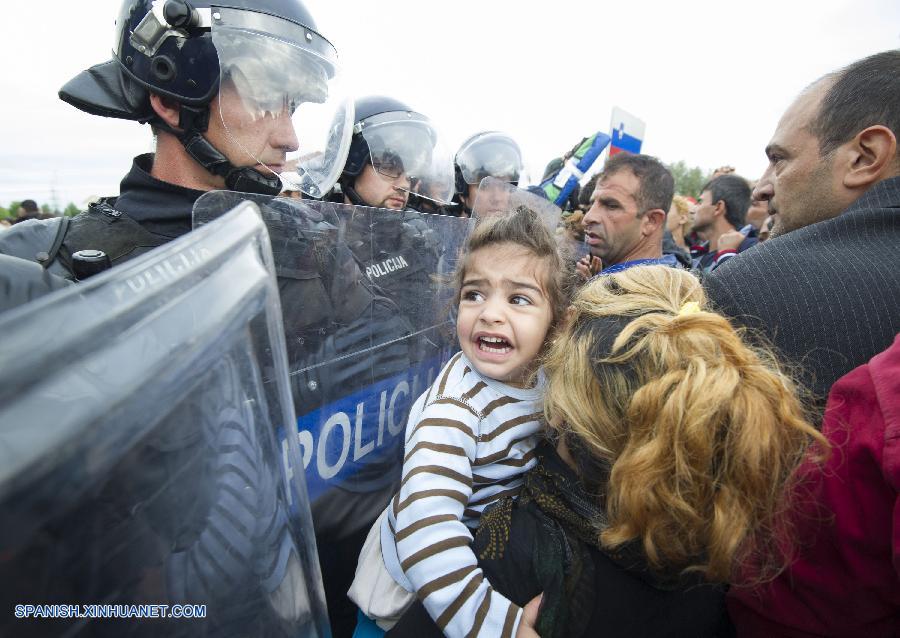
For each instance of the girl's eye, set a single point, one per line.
(520, 300)
(472, 295)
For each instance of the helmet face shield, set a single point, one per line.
(490, 155)
(280, 100)
(397, 148)
(405, 144)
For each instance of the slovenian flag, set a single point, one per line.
(627, 132)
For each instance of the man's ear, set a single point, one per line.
(167, 109)
(469, 202)
(870, 157)
(719, 208)
(652, 221)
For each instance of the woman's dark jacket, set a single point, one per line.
(546, 541)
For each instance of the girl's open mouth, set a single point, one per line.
(494, 345)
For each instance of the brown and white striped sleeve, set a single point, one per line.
(431, 539)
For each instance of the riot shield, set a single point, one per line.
(146, 484)
(495, 196)
(365, 294)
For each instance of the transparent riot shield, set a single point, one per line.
(366, 300)
(495, 197)
(146, 484)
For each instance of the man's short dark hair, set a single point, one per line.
(735, 192)
(30, 206)
(657, 184)
(863, 94)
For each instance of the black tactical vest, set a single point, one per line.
(102, 227)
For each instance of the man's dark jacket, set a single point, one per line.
(827, 295)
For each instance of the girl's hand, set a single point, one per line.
(588, 266)
(529, 618)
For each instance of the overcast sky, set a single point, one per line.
(710, 79)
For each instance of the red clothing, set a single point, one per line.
(845, 581)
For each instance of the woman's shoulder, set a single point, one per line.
(588, 591)
(530, 545)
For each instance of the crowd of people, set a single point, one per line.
(663, 415)
(26, 209)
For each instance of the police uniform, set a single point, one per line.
(187, 51)
(327, 313)
(147, 214)
(399, 253)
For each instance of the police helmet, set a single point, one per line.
(268, 52)
(395, 139)
(487, 154)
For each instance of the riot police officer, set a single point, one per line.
(227, 89)
(394, 151)
(485, 154)
(224, 102)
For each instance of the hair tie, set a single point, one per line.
(689, 308)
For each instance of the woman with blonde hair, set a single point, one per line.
(679, 221)
(667, 474)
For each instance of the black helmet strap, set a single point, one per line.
(193, 122)
(350, 192)
(243, 179)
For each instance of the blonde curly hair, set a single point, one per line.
(703, 432)
(682, 204)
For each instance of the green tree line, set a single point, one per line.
(11, 211)
(689, 179)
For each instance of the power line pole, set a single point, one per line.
(54, 199)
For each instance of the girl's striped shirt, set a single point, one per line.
(469, 440)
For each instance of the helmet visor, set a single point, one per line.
(407, 145)
(280, 100)
(490, 155)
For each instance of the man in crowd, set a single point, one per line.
(627, 219)
(758, 212)
(28, 209)
(833, 187)
(720, 213)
